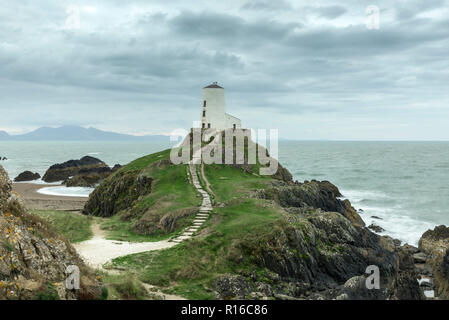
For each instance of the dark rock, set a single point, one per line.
(116, 167)
(405, 285)
(420, 257)
(27, 176)
(232, 287)
(117, 194)
(427, 284)
(376, 228)
(411, 249)
(439, 233)
(424, 269)
(63, 171)
(355, 289)
(321, 251)
(315, 194)
(376, 217)
(435, 244)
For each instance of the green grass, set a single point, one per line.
(190, 268)
(122, 287)
(171, 194)
(143, 162)
(117, 229)
(229, 183)
(75, 227)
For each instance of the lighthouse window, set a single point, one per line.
(204, 103)
(208, 125)
(204, 113)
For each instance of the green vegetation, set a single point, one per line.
(48, 292)
(74, 226)
(232, 234)
(160, 214)
(122, 287)
(118, 229)
(230, 183)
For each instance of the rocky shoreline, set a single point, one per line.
(85, 172)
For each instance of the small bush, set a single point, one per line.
(48, 292)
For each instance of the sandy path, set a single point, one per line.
(98, 250)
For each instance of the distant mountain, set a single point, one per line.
(75, 133)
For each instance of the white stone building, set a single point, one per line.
(213, 110)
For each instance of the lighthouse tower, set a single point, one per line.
(213, 110)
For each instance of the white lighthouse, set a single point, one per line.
(213, 110)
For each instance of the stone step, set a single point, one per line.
(182, 238)
(199, 221)
(202, 215)
(187, 233)
(193, 229)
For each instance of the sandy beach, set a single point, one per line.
(37, 201)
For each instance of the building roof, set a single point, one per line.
(214, 85)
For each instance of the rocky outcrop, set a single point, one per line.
(63, 171)
(313, 194)
(33, 259)
(435, 244)
(27, 176)
(319, 255)
(86, 172)
(117, 193)
(116, 167)
(376, 228)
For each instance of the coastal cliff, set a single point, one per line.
(33, 258)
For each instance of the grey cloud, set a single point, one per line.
(144, 71)
(267, 5)
(329, 12)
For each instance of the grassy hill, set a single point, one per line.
(267, 237)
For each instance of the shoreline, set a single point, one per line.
(37, 201)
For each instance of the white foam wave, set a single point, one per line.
(356, 196)
(396, 222)
(66, 191)
(40, 181)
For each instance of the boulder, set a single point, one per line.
(420, 257)
(116, 167)
(435, 244)
(85, 165)
(27, 176)
(376, 228)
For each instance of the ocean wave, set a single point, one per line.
(40, 181)
(356, 196)
(394, 219)
(66, 191)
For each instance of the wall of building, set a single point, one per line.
(215, 108)
(231, 120)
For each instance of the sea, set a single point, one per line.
(405, 184)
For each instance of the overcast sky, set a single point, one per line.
(312, 69)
